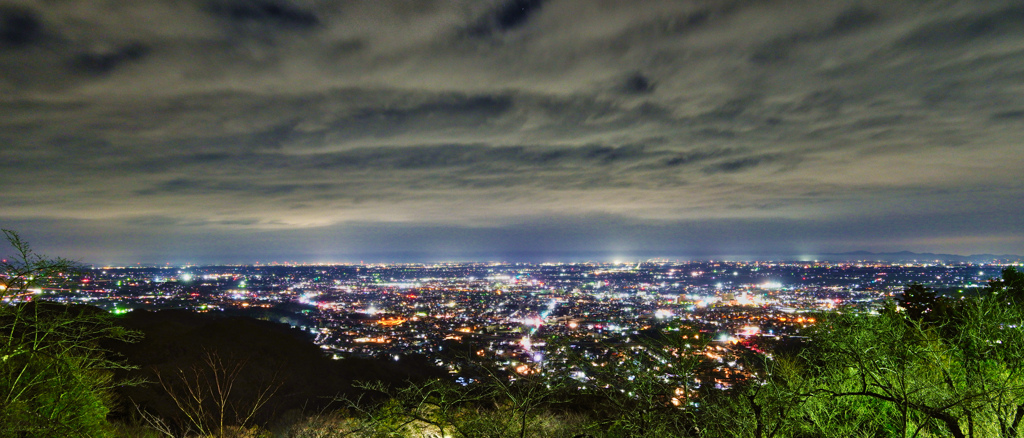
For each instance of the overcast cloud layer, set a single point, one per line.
(245, 130)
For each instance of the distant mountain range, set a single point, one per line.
(904, 256)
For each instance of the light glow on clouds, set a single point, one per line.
(231, 130)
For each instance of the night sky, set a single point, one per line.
(225, 131)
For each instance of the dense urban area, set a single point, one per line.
(509, 313)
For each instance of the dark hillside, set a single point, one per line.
(189, 351)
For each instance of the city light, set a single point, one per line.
(510, 313)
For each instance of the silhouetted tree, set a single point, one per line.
(1010, 288)
(215, 397)
(921, 303)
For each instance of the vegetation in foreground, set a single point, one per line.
(927, 366)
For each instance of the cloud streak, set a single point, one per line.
(279, 117)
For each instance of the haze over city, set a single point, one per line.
(229, 131)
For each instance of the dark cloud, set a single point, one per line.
(107, 61)
(260, 14)
(487, 158)
(852, 19)
(737, 165)
(514, 13)
(457, 126)
(692, 20)
(1009, 115)
(1005, 21)
(638, 83)
(506, 16)
(828, 101)
(454, 110)
(855, 19)
(19, 26)
(732, 108)
(697, 156)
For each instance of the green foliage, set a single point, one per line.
(764, 406)
(957, 372)
(938, 368)
(55, 380)
(496, 407)
(899, 369)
